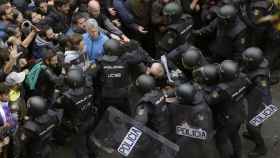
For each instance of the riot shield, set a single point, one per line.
(117, 136)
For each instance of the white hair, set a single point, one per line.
(91, 23)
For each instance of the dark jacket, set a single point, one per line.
(125, 15)
(58, 21)
(47, 81)
(105, 22)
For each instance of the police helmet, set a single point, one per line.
(36, 106)
(191, 58)
(172, 9)
(145, 83)
(228, 70)
(227, 11)
(75, 77)
(207, 74)
(252, 57)
(185, 93)
(112, 47)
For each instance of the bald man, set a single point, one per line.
(156, 70)
(94, 10)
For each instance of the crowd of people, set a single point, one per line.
(174, 66)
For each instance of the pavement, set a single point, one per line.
(270, 130)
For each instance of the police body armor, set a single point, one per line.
(159, 115)
(193, 129)
(230, 40)
(231, 111)
(41, 129)
(83, 110)
(176, 34)
(262, 70)
(117, 136)
(250, 14)
(237, 88)
(114, 77)
(259, 94)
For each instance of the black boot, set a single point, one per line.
(259, 150)
(247, 136)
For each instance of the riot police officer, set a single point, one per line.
(143, 84)
(256, 15)
(256, 67)
(206, 76)
(151, 108)
(251, 12)
(112, 75)
(192, 123)
(80, 110)
(178, 29)
(36, 136)
(187, 59)
(231, 34)
(226, 101)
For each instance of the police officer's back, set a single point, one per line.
(80, 110)
(78, 100)
(256, 66)
(37, 131)
(231, 34)
(151, 108)
(226, 101)
(112, 76)
(192, 123)
(178, 29)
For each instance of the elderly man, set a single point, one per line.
(104, 21)
(93, 40)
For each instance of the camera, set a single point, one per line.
(26, 27)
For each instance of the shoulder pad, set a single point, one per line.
(152, 97)
(264, 64)
(259, 72)
(31, 126)
(243, 75)
(222, 86)
(110, 58)
(186, 17)
(245, 78)
(52, 113)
